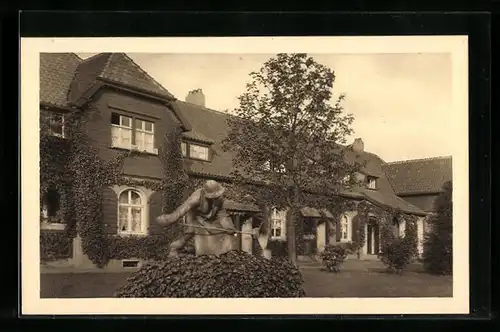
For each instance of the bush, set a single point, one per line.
(398, 254)
(438, 245)
(333, 256)
(278, 249)
(230, 275)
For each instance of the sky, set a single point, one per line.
(402, 103)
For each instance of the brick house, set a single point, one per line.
(134, 110)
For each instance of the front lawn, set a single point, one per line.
(356, 279)
(370, 279)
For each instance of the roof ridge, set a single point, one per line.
(92, 57)
(106, 65)
(416, 160)
(77, 57)
(146, 73)
(205, 108)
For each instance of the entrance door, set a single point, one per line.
(373, 239)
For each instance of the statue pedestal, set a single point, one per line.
(207, 244)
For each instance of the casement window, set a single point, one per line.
(132, 133)
(278, 168)
(184, 149)
(198, 152)
(345, 235)
(144, 135)
(371, 182)
(50, 214)
(195, 151)
(121, 131)
(131, 213)
(278, 220)
(56, 124)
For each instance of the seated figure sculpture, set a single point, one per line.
(203, 211)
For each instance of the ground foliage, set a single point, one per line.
(231, 275)
(333, 256)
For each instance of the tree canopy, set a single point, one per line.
(287, 133)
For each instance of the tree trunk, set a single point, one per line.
(290, 235)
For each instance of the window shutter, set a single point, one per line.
(155, 210)
(338, 233)
(110, 211)
(354, 232)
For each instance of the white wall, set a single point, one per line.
(246, 239)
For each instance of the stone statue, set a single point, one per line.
(203, 212)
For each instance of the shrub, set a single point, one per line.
(438, 249)
(278, 249)
(230, 275)
(333, 256)
(398, 253)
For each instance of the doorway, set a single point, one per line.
(373, 239)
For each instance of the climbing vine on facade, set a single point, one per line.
(73, 167)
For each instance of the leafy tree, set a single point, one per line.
(288, 135)
(438, 253)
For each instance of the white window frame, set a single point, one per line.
(345, 221)
(144, 210)
(184, 149)
(143, 133)
(199, 146)
(51, 119)
(121, 128)
(277, 220)
(372, 182)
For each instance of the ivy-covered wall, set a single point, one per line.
(72, 166)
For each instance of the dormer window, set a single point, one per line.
(198, 152)
(195, 151)
(184, 149)
(371, 182)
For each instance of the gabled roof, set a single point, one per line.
(65, 79)
(116, 68)
(56, 74)
(419, 176)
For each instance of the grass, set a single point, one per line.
(371, 279)
(356, 279)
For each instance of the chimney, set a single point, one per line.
(358, 145)
(196, 97)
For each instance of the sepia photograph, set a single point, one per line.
(265, 171)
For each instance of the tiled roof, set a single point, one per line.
(56, 74)
(419, 176)
(211, 125)
(115, 68)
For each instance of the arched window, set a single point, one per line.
(344, 229)
(131, 213)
